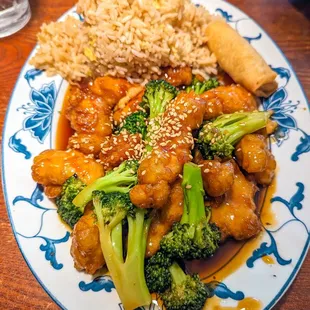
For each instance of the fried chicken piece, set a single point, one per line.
(269, 129)
(111, 89)
(86, 143)
(117, 148)
(217, 177)
(52, 191)
(85, 247)
(90, 107)
(165, 218)
(150, 195)
(228, 99)
(254, 157)
(54, 167)
(121, 111)
(178, 76)
(172, 142)
(235, 215)
(161, 165)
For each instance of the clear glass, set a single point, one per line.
(14, 15)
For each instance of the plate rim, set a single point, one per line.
(306, 247)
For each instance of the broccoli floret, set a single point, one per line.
(218, 137)
(122, 179)
(177, 290)
(127, 271)
(66, 209)
(186, 292)
(158, 93)
(200, 87)
(134, 123)
(157, 274)
(193, 237)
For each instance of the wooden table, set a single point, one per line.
(286, 22)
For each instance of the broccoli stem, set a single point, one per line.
(128, 276)
(120, 180)
(177, 274)
(194, 209)
(117, 241)
(109, 183)
(236, 125)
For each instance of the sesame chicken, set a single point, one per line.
(117, 148)
(150, 195)
(54, 167)
(228, 99)
(90, 111)
(171, 141)
(85, 247)
(164, 218)
(254, 157)
(236, 214)
(217, 177)
(86, 143)
(121, 111)
(178, 76)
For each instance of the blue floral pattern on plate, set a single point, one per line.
(294, 203)
(98, 284)
(49, 247)
(40, 111)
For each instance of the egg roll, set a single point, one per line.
(240, 60)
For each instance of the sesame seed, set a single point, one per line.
(188, 186)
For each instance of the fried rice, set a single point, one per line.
(133, 39)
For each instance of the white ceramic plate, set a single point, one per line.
(44, 241)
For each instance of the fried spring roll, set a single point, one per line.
(240, 60)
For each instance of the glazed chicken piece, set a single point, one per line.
(254, 157)
(172, 143)
(235, 215)
(129, 104)
(151, 195)
(117, 148)
(217, 177)
(85, 248)
(270, 128)
(228, 99)
(86, 143)
(89, 111)
(52, 168)
(164, 218)
(111, 89)
(178, 76)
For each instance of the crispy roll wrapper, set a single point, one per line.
(240, 60)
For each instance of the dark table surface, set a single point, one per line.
(288, 24)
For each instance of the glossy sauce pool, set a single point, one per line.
(230, 256)
(64, 130)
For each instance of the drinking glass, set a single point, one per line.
(14, 15)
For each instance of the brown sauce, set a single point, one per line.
(247, 303)
(268, 217)
(64, 130)
(268, 260)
